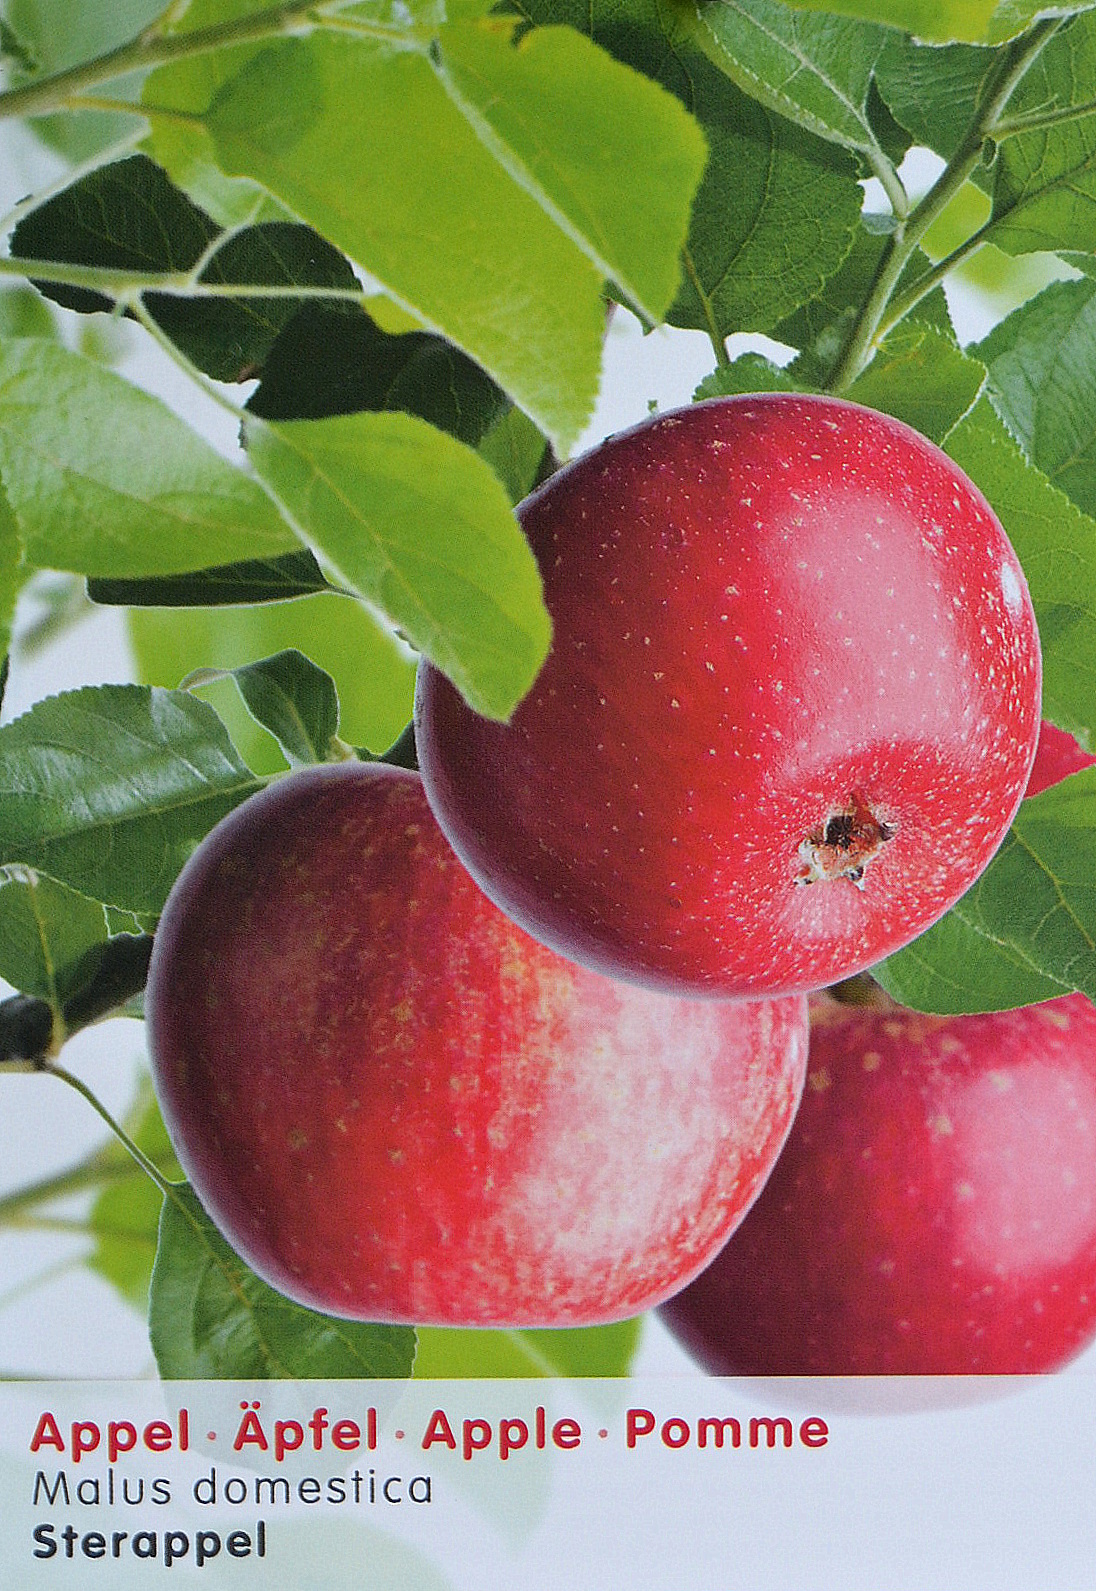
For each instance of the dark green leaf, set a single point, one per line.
(420, 526)
(109, 788)
(932, 92)
(329, 362)
(1042, 370)
(126, 216)
(105, 480)
(295, 701)
(921, 377)
(445, 1353)
(749, 373)
(816, 70)
(1056, 544)
(820, 328)
(297, 574)
(211, 1318)
(1044, 190)
(129, 216)
(1027, 929)
(978, 21)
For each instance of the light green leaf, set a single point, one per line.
(1056, 544)
(423, 161)
(816, 70)
(445, 1353)
(1026, 930)
(944, 21)
(607, 152)
(1042, 369)
(420, 526)
(105, 480)
(56, 34)
(748, 373)
(428, 211)
(109, 788)
(211, 1318)
(921, 377)
(294, 700)
(48, 934)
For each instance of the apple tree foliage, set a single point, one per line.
(385, 238)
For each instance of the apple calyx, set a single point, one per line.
(850, 838)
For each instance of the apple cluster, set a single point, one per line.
(521, 1041)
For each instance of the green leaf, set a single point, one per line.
(816, 70)
(330, 362)
(944, 21)
(109, 788)
(445, 1353)
(1044, 190)
(295, 574)
(921, 377)
(373, 673)
(48, 935)
(516, 451)
(105, 480)
(820, 327)
(932, 92)
(23, 314)
(1042, 369)
(294, 700)
(56, 34)
(494, 229)
(125, 1217)
(960, 966)
(418, 525)
(1056, 544)
(748, 373)
(605, 150)
(776, 210)
(1026, 930)
(211, 1318)
(128, 216)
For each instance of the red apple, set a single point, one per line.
(788, 714)
(398, 1107)
(933, 1211)
(1056, 755)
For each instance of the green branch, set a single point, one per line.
(149, 49)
